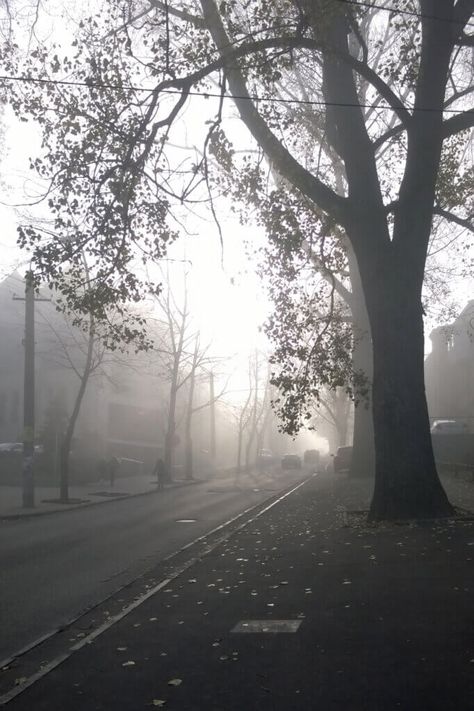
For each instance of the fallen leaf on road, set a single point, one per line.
(121, 649)
(175, 682)
(130, 663)
(20, 680)
(158, 702)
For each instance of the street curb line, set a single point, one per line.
(76, 507)
(50, 666)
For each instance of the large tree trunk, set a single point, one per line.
(363, 454)
(406, 480)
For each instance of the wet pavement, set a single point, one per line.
(301, 606)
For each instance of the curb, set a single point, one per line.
(87, 504)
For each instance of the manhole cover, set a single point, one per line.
(272, 626)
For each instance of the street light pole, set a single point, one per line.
(28, 481)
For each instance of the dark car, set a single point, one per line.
(291, 461)
(311, 458)
(342, 459)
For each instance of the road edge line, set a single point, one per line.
(54, 663)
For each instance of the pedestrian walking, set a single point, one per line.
(160, 472)
(113, 466)
(102, 469)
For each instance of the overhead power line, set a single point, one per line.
(410, 13)
(220, 95)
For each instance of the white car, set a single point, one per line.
(18, 447)
(445, 427)
(11, 446)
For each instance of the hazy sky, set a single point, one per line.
(227, 297)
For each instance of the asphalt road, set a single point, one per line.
(56, 566)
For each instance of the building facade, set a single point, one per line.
(449, 370)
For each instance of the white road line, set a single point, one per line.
(44, 670)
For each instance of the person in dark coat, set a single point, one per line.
(114, 464)
(160, 472)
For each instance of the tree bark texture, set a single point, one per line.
(65, 449)
(363, 454)
(406, 481)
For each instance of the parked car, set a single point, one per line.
(291, 461)
(17, 447)
(311, 458)
(445, 427)
(342, 459)
(11, 447)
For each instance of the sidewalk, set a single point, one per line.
(304, 607)
(46, 497)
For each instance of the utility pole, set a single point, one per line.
(28, 481)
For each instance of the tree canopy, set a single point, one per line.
(388, 90)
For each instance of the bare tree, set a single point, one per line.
(84, 354)
(332, 413)
(201, 364)
(173, 345)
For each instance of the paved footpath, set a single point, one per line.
(47, 497)
(99, 492)
(304, 607)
